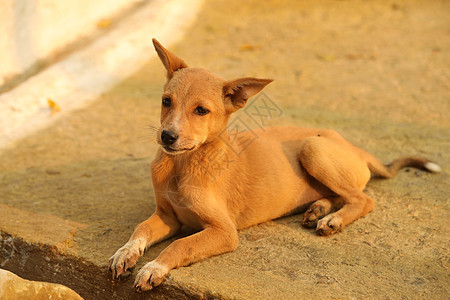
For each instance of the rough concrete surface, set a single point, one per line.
(375, 71)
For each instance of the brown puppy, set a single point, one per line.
(209, 181)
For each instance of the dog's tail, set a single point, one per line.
(388, 171)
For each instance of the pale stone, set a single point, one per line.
(13, 287)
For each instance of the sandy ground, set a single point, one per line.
(375, 71)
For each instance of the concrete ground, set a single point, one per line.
(375, 71)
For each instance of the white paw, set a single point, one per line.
(126, 257)
(151, 275)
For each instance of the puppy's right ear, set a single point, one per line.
(170, 61)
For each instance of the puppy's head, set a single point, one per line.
(196, 104)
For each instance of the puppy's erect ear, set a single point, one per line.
(170, 61)
(239, 90)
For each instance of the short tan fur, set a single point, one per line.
(286, 170)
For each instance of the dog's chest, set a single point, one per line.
(183, 200)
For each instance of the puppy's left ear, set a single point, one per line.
(238, 91)
(170, 61)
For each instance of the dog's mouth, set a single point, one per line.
(175, 151)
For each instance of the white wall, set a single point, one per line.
(34, 29)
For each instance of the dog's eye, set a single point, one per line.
(200, 110)
(166, 102)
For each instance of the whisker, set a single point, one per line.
(151, 135)
(151, 132)
(148, 138)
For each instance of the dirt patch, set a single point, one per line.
(376, 71)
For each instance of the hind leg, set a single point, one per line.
(334, 222)
(320, 209)
(339, 166)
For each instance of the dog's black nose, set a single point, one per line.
(168, 137)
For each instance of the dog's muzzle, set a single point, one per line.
(168, 137)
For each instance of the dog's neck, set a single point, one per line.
(208, 160)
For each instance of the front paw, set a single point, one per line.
(126, 257)
(329, 225)
(151, 275)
